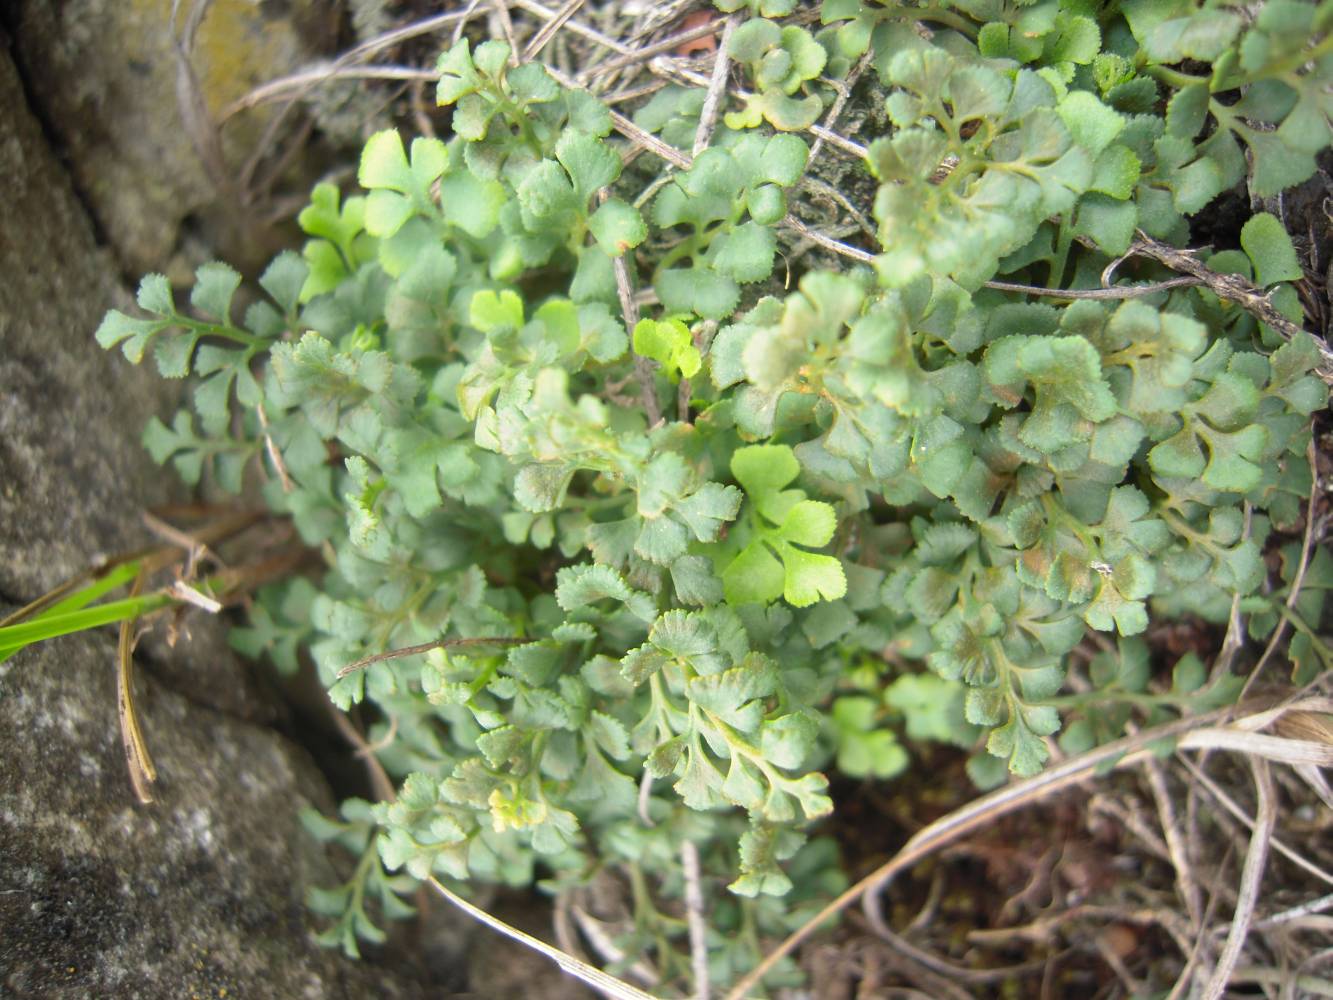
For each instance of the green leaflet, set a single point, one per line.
(703, 274)
(775, 562)
(779, 61)
(668, 343)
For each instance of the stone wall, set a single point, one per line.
(199, 894)
(105, 78)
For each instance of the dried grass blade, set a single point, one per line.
(1278, 748)
(142, 771)
(605, 984)
(1252, 874)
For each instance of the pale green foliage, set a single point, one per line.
(780, 61)
(874, 459)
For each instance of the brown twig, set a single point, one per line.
(1133, 986)
(950, 970)
(1231, 287)
(645, 797)
(1175, 843)
(195, 551)
(643, 369)
(1229, 804)
(153, 559)
(1200, 952)
(548, 30)
(674, 68)
(1305, 909)
(306, 79)
(820, 188)
(303, 80)
(576, 27)
(827, 242)
(1132, 820)
(631, 131)
(1043, 929)
(604, 944)
(630, 57)
(379, 778)
(501, 8)
(426, 647)
(852, 149)
(1117, 292)
(633, 93)
(195, 116)
(649, 141)
(717, 85)
(844, 89)
(463, 20)
(183, 592)
(278, 165)
(274, 455)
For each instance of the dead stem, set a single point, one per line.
(594, 977)
(1218, 795)
(140, 762)
(717, 84)
(694, 917)
(380, 781)
(501, 8)
(576, 27)
(645, 796)
(643, 369)
(304, 80)
(631, 57)
(1231, 287)
(152, 559)
(827, 242)
(1251, 876)
(548, 30)
(426, 647)
(1296, 913)
(844, 89)
(463, 20)
(601, 940)
(819, 188)
(942, 966)
(1116, 292)
(1175, 843)
(198, 122)
(1132, 820)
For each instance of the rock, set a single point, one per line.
(103, 76)
(200, 893)
(74, 478)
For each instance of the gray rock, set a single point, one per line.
(74, 479)
(104, 76)
(199, 892)
(202, 891)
